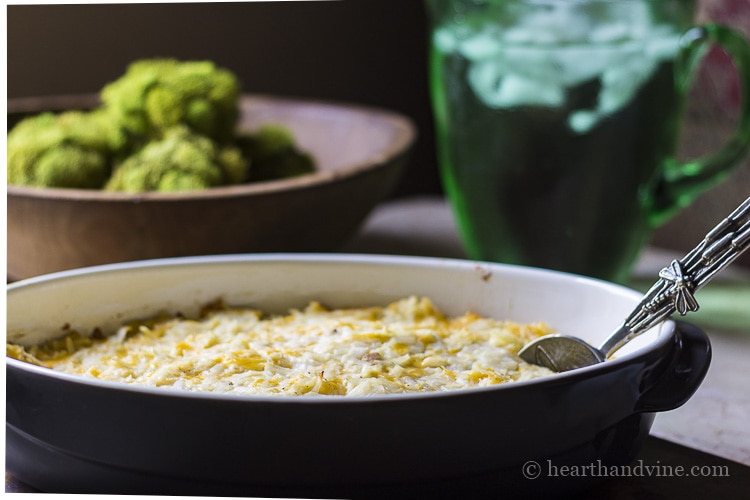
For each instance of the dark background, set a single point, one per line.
(364, 51)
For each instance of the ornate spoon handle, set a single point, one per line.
(682, 278)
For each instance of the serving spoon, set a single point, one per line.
(672, 292)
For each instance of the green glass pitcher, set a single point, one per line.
(557, 123)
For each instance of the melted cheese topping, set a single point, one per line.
(407, 346)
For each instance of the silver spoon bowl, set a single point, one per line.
(673, 292)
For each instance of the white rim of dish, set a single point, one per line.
(369, 259)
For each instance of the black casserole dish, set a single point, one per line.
(69, 434)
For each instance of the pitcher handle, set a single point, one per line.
(682, 182)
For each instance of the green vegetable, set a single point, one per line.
(182, 160)
(274, 154)
(164, 125)
(156, 94)
(70, 150)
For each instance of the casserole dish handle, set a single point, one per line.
(675, 385)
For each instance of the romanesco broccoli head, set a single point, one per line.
(165, 125)
(181, 161)
(68, 150)
(274, 154)
(156, 94)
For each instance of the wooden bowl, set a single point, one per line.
(360, 153)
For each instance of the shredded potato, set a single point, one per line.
(408, 346)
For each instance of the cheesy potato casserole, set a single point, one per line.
(405, 347)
